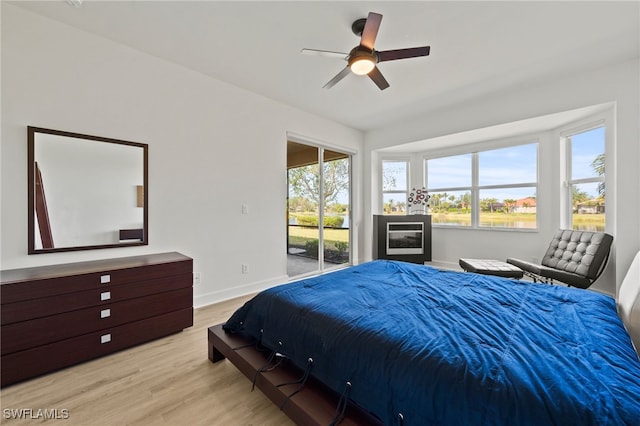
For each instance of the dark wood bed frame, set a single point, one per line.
(315, 404)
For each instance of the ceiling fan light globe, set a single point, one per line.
(362, 66)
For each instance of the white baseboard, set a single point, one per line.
(441, 264)
(231, 293)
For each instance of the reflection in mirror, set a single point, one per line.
(85, 192)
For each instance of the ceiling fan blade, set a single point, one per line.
(327, 53)
(342, 74)
(370, 31)
(413, 52)
(378, 78)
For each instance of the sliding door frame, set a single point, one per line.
(322, 146)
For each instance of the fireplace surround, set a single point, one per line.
(406, 238)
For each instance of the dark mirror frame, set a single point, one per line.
(31, 190)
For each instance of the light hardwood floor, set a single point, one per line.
(167, 381)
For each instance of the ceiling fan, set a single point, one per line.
(363, 58)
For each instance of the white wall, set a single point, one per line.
(212, 148)
(617, 84)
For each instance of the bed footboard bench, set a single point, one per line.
(315, 404)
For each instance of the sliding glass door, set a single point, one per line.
(318, 209)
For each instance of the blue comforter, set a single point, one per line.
(451, 348)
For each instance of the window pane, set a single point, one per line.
(394, 203)
(336, 208)
(394, 175)
(449, 172)
(508, 208)
(451, 208)
(515, 164)
(588, 207)
(587, 154)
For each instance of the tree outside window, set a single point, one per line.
(587, 179)
(395, 175)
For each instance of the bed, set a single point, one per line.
(413, 345)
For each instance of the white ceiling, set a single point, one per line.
(477, 47)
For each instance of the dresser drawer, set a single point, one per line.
(32, 309)
(28, 334)
(33, 362)
(41, 282)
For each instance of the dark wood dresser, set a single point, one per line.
(56, 316)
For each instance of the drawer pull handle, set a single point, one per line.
(105, 338)
(105, 295)
(105, 313)
(105, 279)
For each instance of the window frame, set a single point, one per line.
(405, 192)
(567, 180)
(425, 183)
(475, 187)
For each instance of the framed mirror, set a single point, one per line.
(85, 192)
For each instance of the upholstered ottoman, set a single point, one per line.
(491, 267)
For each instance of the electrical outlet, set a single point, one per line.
(245, 209)
(245, 268)
(196, 278)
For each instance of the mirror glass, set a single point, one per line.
(85, 192)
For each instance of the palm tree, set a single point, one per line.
(388, 206)
(465, 200)
(488, 203)
(436, 200)
(452, 198)
(578, 197)
(510, 203)
(598, 167)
